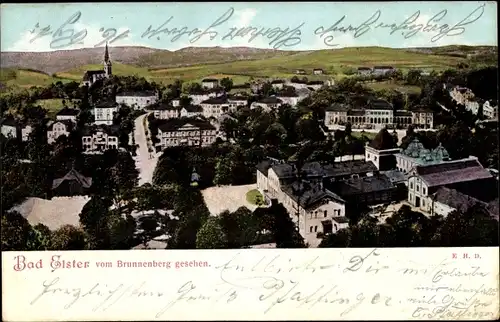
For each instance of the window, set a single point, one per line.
(315, 228)
(411, 185)
(325, 213)
(423, 202)
(424, 191)
(311, 229)
(316, 214)
(418, 188)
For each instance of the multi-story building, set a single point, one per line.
(278, 84)
(267, 103)
(382, 70)
(190, 132)
(9, 127)
(290, 99)
(425, 180)
(164, 111)
(59, 128)
(190, 111)
(377, 114)
(137, 100)
(67, 113)
(97, 139)
(104, 113)
(236, 102)
(210, 83)
(197, 98)
(490, 110)
(215, 107)
(416, 154)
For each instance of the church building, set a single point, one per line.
(91, 76)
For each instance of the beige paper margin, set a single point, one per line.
(274, 284)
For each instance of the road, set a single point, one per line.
(144, 162)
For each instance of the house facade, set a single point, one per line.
(490, 110)
(318, 71)
(278, 84)
(291, 100)
(377, 114)
(97, 139)
(163, 111)
(215, 107)
(267, 104)
(59, 128)
(137, 100)
(104, 113)
(197, 98)
(382, 70)
(10, 127)
(364, 71)
(210, 83)
(66, 113)
(190, 111)
(176, 132)
(236, 102)
(425, 180)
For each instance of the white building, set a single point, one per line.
(190, 132)
(425, 180)
(267, 104)
(416, 154)
(215, 107)
(318, 71)
(312, 208)
(58, 128)
(104, 113)
(236, 102)
(26, 130)
(164, 111)
(97, 139)
(291, 100)
(9, 127)
(490, 110)
(278, 84)
(364, 71)
(69, 114)
(382, 70)
(210, 83)
(190, 111)
(197, 98)
(137, 100)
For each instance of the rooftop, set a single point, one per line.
(193, 108)
(67, 111)
(363, 185)
(462, 202)
(378, 104)
(310, 194)
(89, 73)
(215, 100)
(175, 124)
(73, 175)
(137, 93)
(452, 172)
(111, 130)
(210, 80)
(270, 100)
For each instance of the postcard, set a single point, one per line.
(249, 161)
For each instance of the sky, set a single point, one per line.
(276, 25)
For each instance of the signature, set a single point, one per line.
(279, 37)
(69, 34)
(408, 28)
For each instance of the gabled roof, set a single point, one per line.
(452, 172)
(363, 185)
(264, 166)
(383, 67)
(67, 111)
(111, 130)
(344, 168)
(193, 108)
(383, 141)
(215, 100)
(310, 194)
(69, 125)
(270, 100)
(462, 202)
(163, 107)
(210, 80)
(174, 124)
(337, 107)
(278, 81)
(137, 93)
(107, 104)
(9, 121)
(237, 98)
(364, 68)
(73, 175)
(378, 104)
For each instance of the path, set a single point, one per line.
(143, 162)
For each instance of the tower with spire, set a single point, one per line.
(107, 63)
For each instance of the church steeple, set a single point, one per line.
(106, 54)
(107, 62)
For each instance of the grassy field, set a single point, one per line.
(255, 197)
(410, 89)
(358, 134)
(335, 63)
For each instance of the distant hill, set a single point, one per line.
(63, 60)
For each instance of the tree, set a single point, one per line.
(94, 220)
(68, 238)
(148, 224)
(413, 77)
(223, 171)
(211, 235)
(41, 237)
(227, 84)
(16, 232)
(456, 140)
